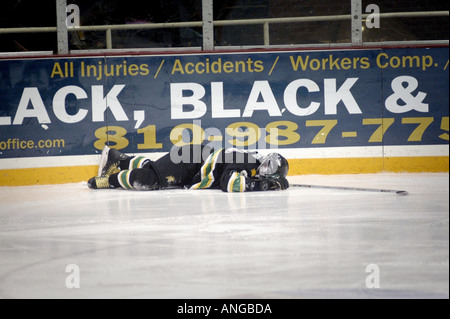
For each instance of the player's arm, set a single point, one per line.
(236, 182)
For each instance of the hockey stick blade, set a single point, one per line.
(398, 192)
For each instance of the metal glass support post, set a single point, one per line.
(109, 39)
(208, 25)
(63, 38)
(266, 34)
(357, 23)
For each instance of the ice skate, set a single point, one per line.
(101, 182)
(109, 162)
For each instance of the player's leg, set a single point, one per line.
(114, 162)
(122, 171)
(140, 179)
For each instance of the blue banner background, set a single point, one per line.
(141, 115)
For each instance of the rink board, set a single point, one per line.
(74, 169)
(327, 111)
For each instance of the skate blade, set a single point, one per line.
(103, 160)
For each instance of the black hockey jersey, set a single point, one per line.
(231, 170)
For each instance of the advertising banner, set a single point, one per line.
(291, 99)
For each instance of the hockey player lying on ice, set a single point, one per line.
(231, 170)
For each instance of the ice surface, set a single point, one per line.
(301, 243)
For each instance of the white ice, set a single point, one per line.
(301, 243)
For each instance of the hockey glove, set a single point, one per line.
(273, 183)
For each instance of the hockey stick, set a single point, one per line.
(398, 192)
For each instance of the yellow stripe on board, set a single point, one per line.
(47, 176)
(324, 166)
(337, 166)
(416, 164)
